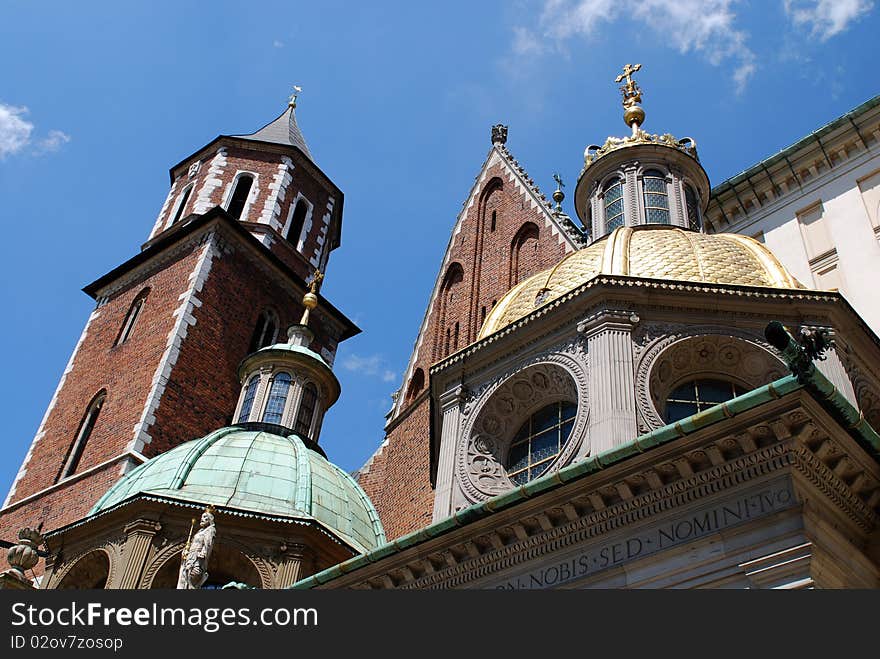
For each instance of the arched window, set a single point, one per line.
(240, 195)
(693, 208)
(524, 253)
(539, 440)
(277, 398)
(416, 384)
(306, 410)
(265, 332)
(656, 197)
(248, 403)
(494, 220)
(454, 276)
(296, 221)
(86, 426)
(184, 197)
(131, 317)
(613, 205)
(698, 395)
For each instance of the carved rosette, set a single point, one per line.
(670, 355)
(495, 413)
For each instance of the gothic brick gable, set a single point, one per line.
(505, 232)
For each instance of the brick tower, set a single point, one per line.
(506, 231)
(247, 220)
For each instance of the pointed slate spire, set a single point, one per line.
(283, 130)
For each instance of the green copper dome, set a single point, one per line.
(260, 472)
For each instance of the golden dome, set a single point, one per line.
(652, 252)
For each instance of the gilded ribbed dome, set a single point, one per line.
(652, 252)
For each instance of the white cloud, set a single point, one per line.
(277, 44)
(707, 27)
(52, 141)
(15, 132)
(372, 365)
(826, 18)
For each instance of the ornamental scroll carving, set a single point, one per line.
(865, 387)
(493, 414)
(669, 355)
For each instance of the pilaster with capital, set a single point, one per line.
(290, 564)
(450, 411)
(630, 196)
(611, 387)
(138, 537)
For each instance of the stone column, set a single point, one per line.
(450, 411)
(139, 534)
(610, 378)
(632, 205)
(597, 212)
(290, 565)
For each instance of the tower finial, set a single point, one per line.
(633, 114)
(558, 194)
(310, 299)
(296, 90)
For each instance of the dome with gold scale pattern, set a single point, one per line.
(651, 252)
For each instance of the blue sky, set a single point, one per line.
(97, 100)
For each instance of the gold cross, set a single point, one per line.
(628, 70)
(315, 284)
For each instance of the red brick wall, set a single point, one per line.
(265, 166)
(203, 385)
(125, 371)
(398, 478)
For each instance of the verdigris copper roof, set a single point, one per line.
(648, 251)
(283, 130)
(261, 472)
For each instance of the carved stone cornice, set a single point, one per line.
(794, 442)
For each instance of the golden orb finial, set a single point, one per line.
(633, 114)
(558, 194)
(310, 299)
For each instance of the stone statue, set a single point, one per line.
(194, 564)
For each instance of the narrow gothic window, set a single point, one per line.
(455, 338)
(306, 410)
(613, 205)
(297, 221)
(494, 218)
(131, 317)
(249, 394)
(240, 195)
(693, 208)
(539, 440)
(656, 197)
(277, 398)
(698, 395)
(183, 199)
(82, 436)
(265, 332)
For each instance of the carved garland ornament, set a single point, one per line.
(109, 548)
(678, 353)
(500, 410)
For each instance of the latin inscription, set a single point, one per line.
(663, 536)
